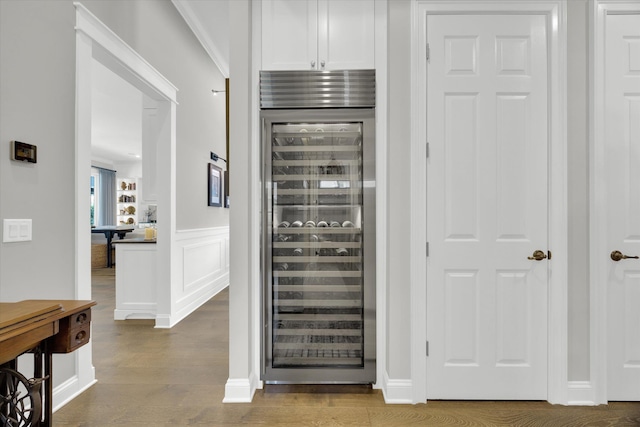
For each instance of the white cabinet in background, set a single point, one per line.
(318, 34)
(136, 281)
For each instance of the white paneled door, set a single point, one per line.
(622, 163)
(487, 207)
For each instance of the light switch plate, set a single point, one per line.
(16, 230)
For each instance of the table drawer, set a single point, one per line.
(75, 331)
(80, 319)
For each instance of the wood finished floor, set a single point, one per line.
(176, 377)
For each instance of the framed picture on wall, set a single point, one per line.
(215, 194)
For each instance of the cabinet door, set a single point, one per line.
(346, 34)
(289, 34)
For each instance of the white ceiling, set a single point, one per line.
(116, 118)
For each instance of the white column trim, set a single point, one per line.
(397, 391)
(382, 189)
(581, 393)
(418, 223)
(555, 11)
(240, 390)
(256, 196)
(244, 288)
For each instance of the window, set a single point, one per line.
(94, 197)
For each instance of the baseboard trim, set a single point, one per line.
(67, 391)
(580, 393)
(397, 391)
(136, 313)
(196, 298)
(167, 322)
(163, 321)
(239, 391)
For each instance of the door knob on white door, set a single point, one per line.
(538, 255)
(617, 256)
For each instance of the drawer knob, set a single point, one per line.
(82, 317)
(81, 335)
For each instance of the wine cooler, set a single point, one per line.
(318, 231)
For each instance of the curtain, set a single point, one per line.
(107, 197)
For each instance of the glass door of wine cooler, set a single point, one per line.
(319, 247)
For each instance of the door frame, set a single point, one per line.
(555, 13)
(598, 194)
(96, 42)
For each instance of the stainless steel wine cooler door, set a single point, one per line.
(319, 246)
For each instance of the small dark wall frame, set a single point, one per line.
(22, 151)
(215, 187)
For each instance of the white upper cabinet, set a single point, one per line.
(346, 33)
(318, 34)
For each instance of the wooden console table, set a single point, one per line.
(44, 327)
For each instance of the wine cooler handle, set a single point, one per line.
(266, 144)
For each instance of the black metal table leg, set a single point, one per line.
(48, 385)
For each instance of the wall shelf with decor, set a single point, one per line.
(127, 205)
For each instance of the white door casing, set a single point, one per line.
(622, 129)
(95, 41)
(615, 287)
(487, 207)
(554, 13)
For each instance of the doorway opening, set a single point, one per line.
(97, 43)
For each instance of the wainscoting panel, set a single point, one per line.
(203, 266)
(201, 261)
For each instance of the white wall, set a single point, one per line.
(398, 364)
(37, 106)
(37, 82)
(128, 170)
(399, 155)
(578, 176)
(158, 33)
(37, 56)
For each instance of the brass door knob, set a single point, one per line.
(617, 256)
(538, 256)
